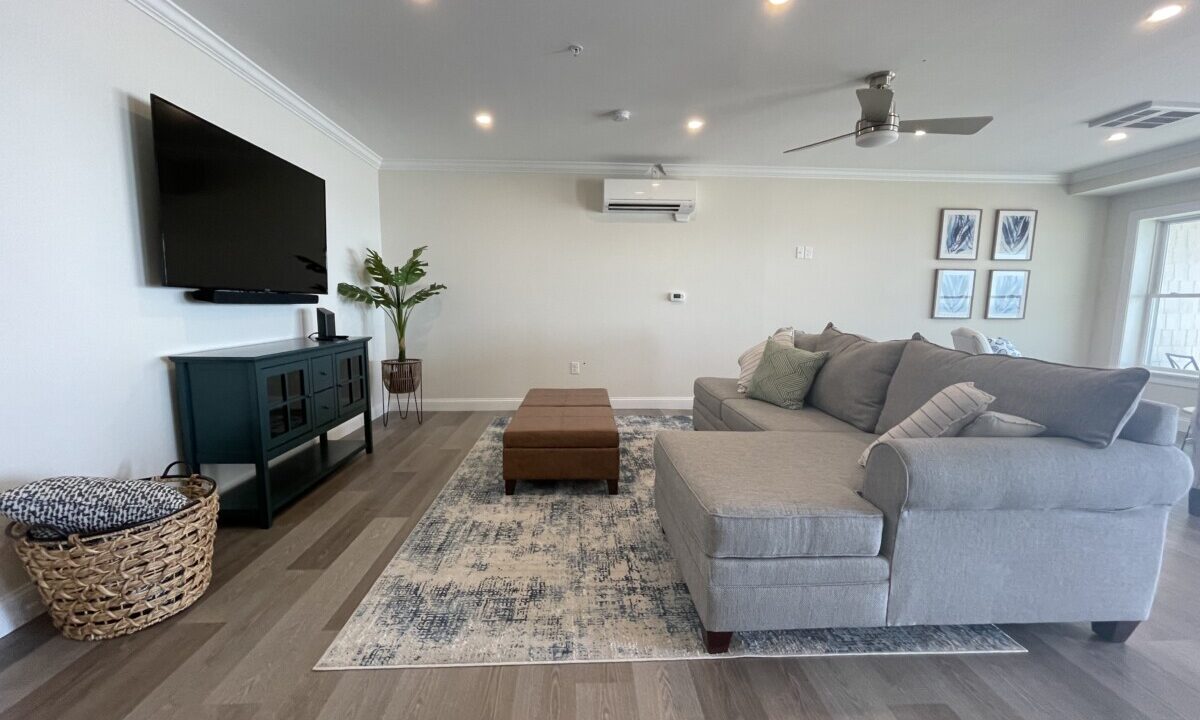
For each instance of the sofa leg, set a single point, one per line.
(1115, 632)
(510, 486)
(612, 486)
(717, 642)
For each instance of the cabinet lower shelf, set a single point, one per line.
(288, 479)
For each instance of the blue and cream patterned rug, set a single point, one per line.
(564, 572)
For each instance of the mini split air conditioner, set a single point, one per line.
(677, 197)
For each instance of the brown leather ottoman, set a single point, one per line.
(573, 440)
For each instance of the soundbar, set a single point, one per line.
(250, 297)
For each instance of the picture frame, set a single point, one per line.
(1014, 237)
(1008, 295)
(953, 294)
(958, 234)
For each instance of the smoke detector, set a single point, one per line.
(621, 115)
(1148, 115)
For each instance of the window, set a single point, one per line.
(1172, 338)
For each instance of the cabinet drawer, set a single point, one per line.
(324, 406)
(322, 372)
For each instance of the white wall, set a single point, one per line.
(539, 277)
(1114, 323)
(85, 385)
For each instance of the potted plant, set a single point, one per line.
(391, 294)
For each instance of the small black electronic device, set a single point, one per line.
(327, 327)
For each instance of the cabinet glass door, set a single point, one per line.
(287, 400)
(351, 379)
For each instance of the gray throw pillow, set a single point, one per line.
(1088, 404)
(785, 375)
(853, 384)
(994, 424)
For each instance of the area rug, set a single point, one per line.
(564, 572)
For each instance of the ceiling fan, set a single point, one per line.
(880, 125)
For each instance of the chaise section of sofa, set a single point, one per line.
(796, 547)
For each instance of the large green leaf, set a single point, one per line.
(413, 270)
(422, 295)
(357, 294)
(378, 269)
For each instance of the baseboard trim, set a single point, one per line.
(18, 606)
(511, 403)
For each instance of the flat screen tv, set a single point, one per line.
(232, 215)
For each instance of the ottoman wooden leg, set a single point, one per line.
(612, 486)
(510, 486)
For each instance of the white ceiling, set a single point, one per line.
(407, 76)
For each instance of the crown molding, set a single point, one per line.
(556, 167)
(1157, 167)
(195, 32)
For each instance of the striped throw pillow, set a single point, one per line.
(749, 360)
(945, 415)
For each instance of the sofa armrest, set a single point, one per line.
(1025, 473)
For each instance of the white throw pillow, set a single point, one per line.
(944, 415)
(994, 424)
(749, 360)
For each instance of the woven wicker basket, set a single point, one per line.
(104, 586)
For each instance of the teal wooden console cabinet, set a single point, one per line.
(253, 403)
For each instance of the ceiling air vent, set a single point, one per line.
(1148, 115)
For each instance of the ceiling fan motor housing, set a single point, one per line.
(870, 133)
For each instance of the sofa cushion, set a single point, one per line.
(785, 375)
(768, 494)
(710, 392)
(753, 415)
(1088, 404)
(853, 383)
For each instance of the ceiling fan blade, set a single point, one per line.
(823, 142)
(947, 126)
(876, 103)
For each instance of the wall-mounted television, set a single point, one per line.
(234, 217)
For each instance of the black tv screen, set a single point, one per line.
(232, 215)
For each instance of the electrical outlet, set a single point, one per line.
(575, 367)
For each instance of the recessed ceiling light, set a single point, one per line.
(484, 120)
(1117, 137)
(919, 133)
(695, 124)
(778, 2)
(1166, 12)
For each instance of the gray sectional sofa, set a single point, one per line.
(776, 526)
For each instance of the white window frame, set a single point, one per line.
(1154, 295)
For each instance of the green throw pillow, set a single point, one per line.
(785, 375)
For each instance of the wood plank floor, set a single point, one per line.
(279, 596)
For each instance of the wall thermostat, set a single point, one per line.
(677, 296)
